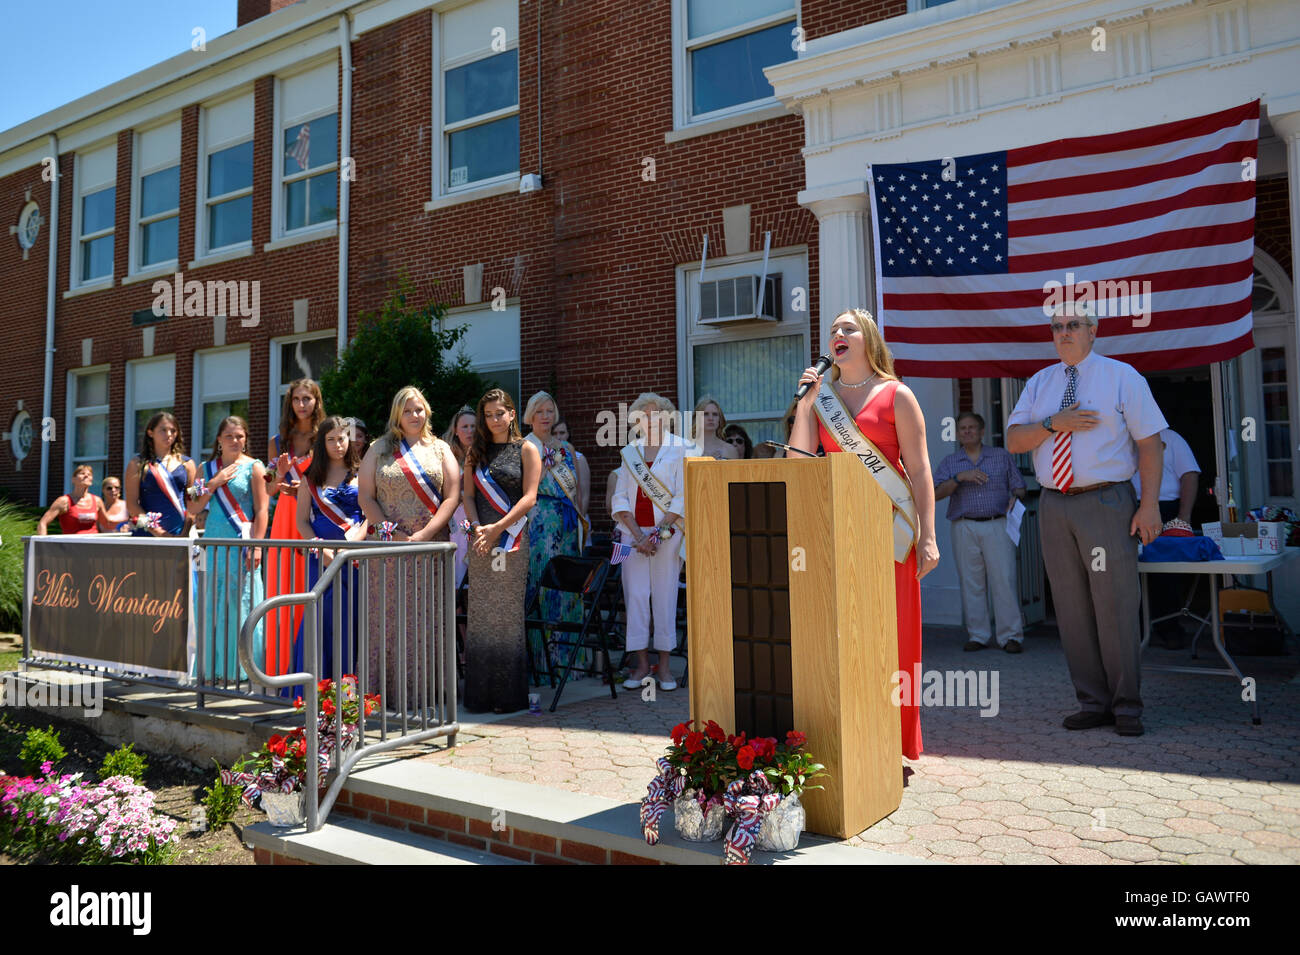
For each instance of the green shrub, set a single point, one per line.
(397, 346)
(221, 801)
(41, 746)
(124, 761)
(16, 522)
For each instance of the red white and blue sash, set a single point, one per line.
(331, 510)
(226, 499)
(164, 482)
(421, 481)
(491, 492)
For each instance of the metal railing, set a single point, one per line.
(407, 588)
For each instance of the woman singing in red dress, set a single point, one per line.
(887, 414)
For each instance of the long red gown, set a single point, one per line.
(286, 573)
(876, 420)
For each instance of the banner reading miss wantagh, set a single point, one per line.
(120, 604)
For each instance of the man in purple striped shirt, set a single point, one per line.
(979, 482)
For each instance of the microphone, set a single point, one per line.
(822, 365)
(787, 449)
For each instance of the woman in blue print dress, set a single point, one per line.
(234, 495)
(157, 479)
(555, 525)
(328, 510)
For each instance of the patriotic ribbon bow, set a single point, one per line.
(663, 789)
(466, 526)
(199, 489)
(548, 458)
(386, 529)
(747, 809)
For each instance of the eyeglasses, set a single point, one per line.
(1071, 326)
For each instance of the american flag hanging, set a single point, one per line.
(301, 151)
(1150, 230)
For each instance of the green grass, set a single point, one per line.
(9, 660)
(16, 521)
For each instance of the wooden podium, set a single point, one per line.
(791, 621)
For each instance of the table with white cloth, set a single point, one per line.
(1249, 565)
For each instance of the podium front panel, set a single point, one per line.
(760, 608)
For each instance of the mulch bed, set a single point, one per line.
(177, 786)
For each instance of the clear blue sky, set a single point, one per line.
(54, 51)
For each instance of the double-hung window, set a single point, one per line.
(477, 96)
(721, 49)
(157, 197)
(226, 175)
(220, 389)
(94, 215)
(88, 420)
(307, 149)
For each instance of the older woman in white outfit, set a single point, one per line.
(648, 504)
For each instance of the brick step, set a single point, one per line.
(345, 841)
(531, 823)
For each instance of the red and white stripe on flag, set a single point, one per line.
(301, 149)
(966, 248)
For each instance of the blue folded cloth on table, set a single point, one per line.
(1166, 549)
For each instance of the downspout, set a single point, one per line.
(51, 292)
(348, 170)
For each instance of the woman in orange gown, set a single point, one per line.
(887, 413)
(288, 455)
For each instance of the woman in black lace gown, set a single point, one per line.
(501, 475)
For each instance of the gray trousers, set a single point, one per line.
(1092, 564)
(986, 561)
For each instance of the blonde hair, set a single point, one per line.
(722, 417)
(536, 402)
(394, 430)
(878, 356)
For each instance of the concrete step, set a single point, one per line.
(345, 841)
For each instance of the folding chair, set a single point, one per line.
(585, 576)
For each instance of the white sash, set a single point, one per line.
(837, 421)
(648, 481)
(568, 482)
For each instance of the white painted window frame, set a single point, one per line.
(688, 338)
(276, 391)
(79, 240)
(203, 202)
(70, 458)
(281, 182)
(683, 47)
(200, 397)
(129, 448)
(138, 222)
(441, 150)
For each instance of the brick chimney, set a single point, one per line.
(250, 10)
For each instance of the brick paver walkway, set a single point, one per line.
(1203, 785)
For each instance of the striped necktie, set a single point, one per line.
(1062, 465)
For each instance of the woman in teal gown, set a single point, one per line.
(236, 500)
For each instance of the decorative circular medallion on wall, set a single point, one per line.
(20, 435)
(29, 225)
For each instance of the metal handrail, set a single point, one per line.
(318, 808)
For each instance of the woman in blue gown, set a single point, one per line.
(236, 501)
(328, 510)
(157, 480)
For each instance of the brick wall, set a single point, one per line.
(1272, 221)
(832, 16)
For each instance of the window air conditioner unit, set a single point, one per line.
(728, 301)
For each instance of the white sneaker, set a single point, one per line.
(631, 684)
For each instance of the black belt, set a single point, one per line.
(993, 518)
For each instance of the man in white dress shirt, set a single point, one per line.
(1090, 422)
